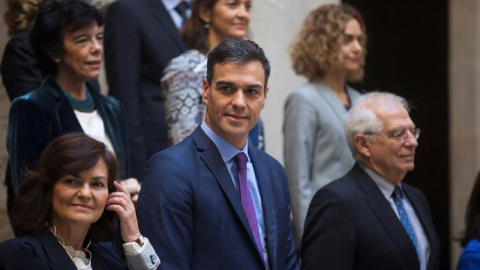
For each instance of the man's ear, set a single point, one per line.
(362, 143)
(205, 14)
(206, 88)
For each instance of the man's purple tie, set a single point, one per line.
(246, 198)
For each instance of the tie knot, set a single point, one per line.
(397, 193)
(241, 161)
(182, 8)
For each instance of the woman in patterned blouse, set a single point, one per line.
(211, 22)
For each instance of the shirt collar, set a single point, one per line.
(385, 186)
(171, 4)
(227, 151)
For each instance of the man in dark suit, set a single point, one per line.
(140, 39)
(214, 201)
(369, 219)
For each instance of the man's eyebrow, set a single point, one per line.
(227, 83)
(255, 85)
(224, 83)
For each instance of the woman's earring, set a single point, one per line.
(207, 25)
(57, 60)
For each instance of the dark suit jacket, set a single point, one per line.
(350, 225)
(21, 72)
(42, 251)
(192, 214)
(44, 114)
(140, 40)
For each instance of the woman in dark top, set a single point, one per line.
(60, 213)
(67, 39)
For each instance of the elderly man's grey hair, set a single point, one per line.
(362, 119)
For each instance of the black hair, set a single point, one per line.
(72, 154)
(237, 51)
(55, 17)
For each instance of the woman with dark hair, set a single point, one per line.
(330, 51)
(470, 257)
(211, 22)
(68, 41)
(60, 212)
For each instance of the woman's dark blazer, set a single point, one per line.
(44, 114)
(42, 251)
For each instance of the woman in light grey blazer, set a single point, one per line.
(330, 51)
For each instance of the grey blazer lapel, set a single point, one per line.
(329, 96)
(213, 160)
(383, 211)
(64, 112)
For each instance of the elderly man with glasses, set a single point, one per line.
(369, 219)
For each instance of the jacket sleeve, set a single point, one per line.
(27, 136)
(469, 260)
(329, 236)
(17, 254)
(300, 124)
(20, 70)
(165, 211)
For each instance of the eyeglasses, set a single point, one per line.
(400, 134)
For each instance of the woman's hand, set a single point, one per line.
(121, 202)
(132, 187)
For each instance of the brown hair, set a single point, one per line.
(20, 15)
(472, 215)
(71, 153)
(195, 35)
(316, 49)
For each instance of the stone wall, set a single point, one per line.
(464, 111)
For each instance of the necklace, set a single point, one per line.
(86, 105)
(79, 258)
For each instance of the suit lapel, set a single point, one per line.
(161, 14)
(327, 93)
(425, 220)
(382, 209)
(64, 111)
(269, 217)
(213, 160)
(57, 256)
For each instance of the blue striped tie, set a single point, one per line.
(398, 197)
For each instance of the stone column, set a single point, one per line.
(464, 111)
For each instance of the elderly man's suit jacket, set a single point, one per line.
(350, 225)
